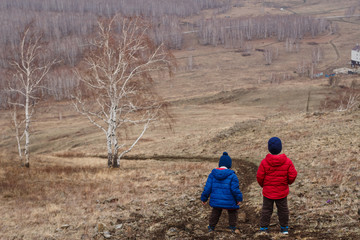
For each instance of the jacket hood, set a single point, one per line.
(275, 160)
(222, 173)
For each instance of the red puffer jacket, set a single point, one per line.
(275, 174)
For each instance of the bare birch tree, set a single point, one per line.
(270, 54)
(316, 55)
(116, 87)
(27, 69)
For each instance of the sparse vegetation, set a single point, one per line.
(222, 98)
(80, 197)
(344, 99)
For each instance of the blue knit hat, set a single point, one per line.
(225, 160)
(274, 145)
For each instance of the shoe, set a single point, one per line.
(264, 230)
(211, 229)
(284, 230)
(234, 229)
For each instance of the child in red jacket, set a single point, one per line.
(276, 172)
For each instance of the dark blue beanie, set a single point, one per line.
(225, 160)
(274, 145)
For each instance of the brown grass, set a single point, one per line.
(325, 151)
(226, 103)
(36, 202)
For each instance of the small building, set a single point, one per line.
(355, 56)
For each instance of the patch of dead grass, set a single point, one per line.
(36, 202)
(325, 151)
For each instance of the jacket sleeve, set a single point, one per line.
(207, 189)
(292, 173)
(235, 189)
(260, 175)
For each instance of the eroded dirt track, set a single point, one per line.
(188, 218)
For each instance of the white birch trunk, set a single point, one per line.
(116, 151)
(109, 146)
(18, 138)
(113, 122)
(26, 131)
(110, 136)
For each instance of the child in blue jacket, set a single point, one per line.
(222, 186)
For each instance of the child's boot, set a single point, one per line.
(264, 230)
(211, 229)
(284, 230)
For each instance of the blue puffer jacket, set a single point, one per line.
(222, 186)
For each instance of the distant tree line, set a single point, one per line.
(66, 25)
(107, 8)
(234, 32)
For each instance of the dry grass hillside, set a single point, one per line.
(74, 196)
(223, 101)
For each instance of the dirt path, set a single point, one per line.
(191, 221)
(336, 51)
(335, 48)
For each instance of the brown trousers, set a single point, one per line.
(216, 213)
(267, 210)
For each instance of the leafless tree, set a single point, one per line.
(292, 45)
(61, 84)
(316, 55)
(234, 31)
(303, 68)
(350, 11)
(349, 101)
(167, 30)
(190, 63)
(270, 54)
(116, 81)
(343, 99)
(27, 69)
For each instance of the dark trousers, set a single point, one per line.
(267, 210)
(216, 213)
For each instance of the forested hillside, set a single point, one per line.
(66, 26)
